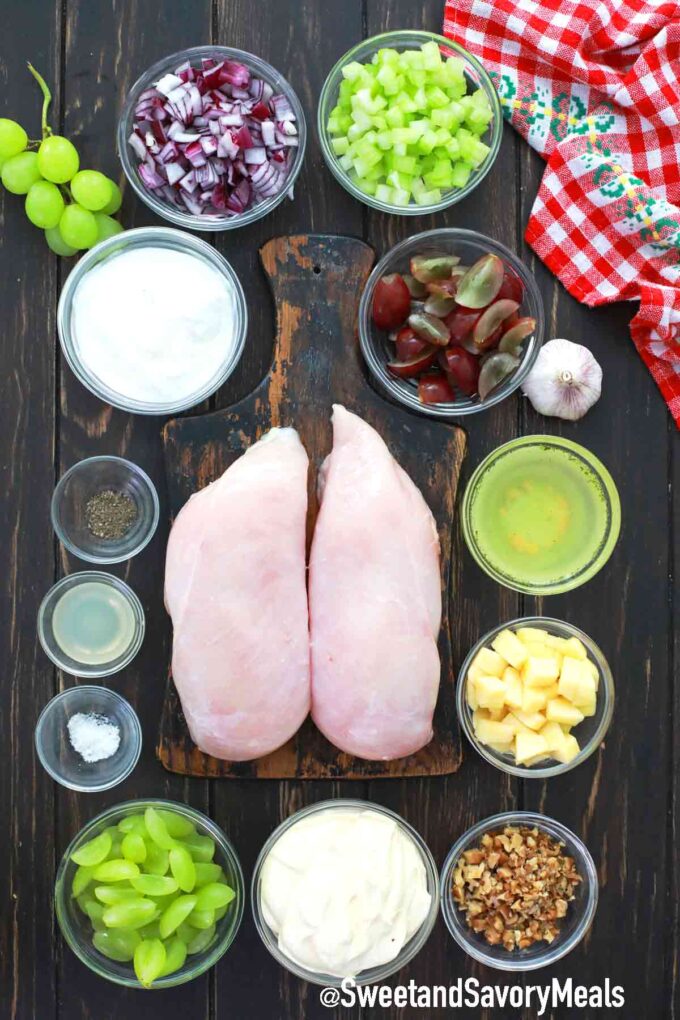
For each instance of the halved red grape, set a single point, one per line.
(408, 344)
(426, 268)
(494, 370)
(416, 288)
(439, 306)
(513, 337)
(414, 366)
(460, 323)
(486, 332)
(462, 369)
(430, 328)
(482, 282)
(511, 287)
(435, 388)
(391, 302)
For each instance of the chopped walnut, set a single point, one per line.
(515, 887)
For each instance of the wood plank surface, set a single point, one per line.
(624, 801)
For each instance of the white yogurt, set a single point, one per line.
(343, 890)
(153, 324)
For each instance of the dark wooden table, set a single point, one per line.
(623, 801)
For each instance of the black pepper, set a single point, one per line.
(110, 514)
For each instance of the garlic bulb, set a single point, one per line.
(565, 382)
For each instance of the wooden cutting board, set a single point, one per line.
(316, 282)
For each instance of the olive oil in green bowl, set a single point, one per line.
(541, 515)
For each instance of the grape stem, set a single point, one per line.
(47, 99)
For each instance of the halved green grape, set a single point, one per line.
(94, 910)
(220, 912)
(157, 829)
(133, 823)
(118, 945)
(91, 189)
(157, 860)
(130, 913)
(81, 879)
(13, 138)
(177, 825)
(93, 852)
(116, 200)
(177, 912)
(183, 868)
(150, 931)
(201, 940)
(116, 870)
(207, 873)
(175, 955)
(185, 932)
(58, 159)
(78, 227)
(201, 848)
(109, 894)
(201, 919)
(154, 885)
(133, 847)
(213, 896)
(44, 205)
(20, 173)
(149, 960)
(106, 226)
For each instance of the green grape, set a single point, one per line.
(201, 848)
(183, 868)
(207, 873)
(201, 918)
(91, 189)
(220, 912)
(214, 896)
(20, 173)
(116, 870)
(13, 138)
(58, 159)
(177, 825)
(133, 847)
(150, 931)
(93, 852)
(94, 910)
(116, 200)
(157, 861)
(106, 226)
(44, 205)
(154, 885)
(78, 227)
(201, 940)
(175, 955)
(185, 932)
(158, 830)
(178, 911)
(110, 894)
(133, 823)
(130, 913)
(81, 880)
(149, 960)
(57, 244)
(116, 945)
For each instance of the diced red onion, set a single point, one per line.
(282, 108)
(166, 85)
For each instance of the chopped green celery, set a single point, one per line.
(383, 193)
(429, 197)
(404, 102)
(345, 92)
(380, 122)
(455, 90)
(427, 142)
(400, 196)
(478, 120)
(404, 135)
(443, 118)
(437, 99)
(439, 180)
(461, 174)
(353, 70)
(368, 187)
(384, 140)
(405, 164)
(417, 186)
(376, 172)
(400, 181)
(357, 130)
(368, 154)
(420, 99)
(340, 146)
(432, 58)
(452, 148)
(399, 149)
(442, 136)
(362, 166)
(389, 79)
(419, 127)
(346, 162)
(387, 56)
(417, 76)
(395, 117)
(455, 69)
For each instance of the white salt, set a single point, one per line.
(93, 736)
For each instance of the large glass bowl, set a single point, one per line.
(209, 221)
(374, 974)
(378, 350)
(140, 238)
(574, 926)
(590, 733)
(410, 39)
(77, 928)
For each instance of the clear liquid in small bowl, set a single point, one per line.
(93, 623)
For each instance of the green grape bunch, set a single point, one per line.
(75, 208)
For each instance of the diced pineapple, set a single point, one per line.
(554, 736)
(517, 725)
(490, 692)
(497, 714)
(540, 672)
(513, 688)
(528, 634)
(534, 720)
(471, 694)
(569, 749)
(540, 650)
(589, 708)
(474, 672)
(550, 692)
(534, 699)
(558, 644)
(562, 711)
(478, 715)
(576, 683)
(529, 747)
(593, 670)
(576, 648)
(510, 648)
(504, 748)
(494, 732)
(489, 662)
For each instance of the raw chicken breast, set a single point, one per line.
(374, 600)
(235, 589)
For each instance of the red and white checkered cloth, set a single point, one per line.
(593, 86)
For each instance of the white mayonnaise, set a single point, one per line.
(154, 324)
(344, 889)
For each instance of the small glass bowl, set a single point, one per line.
(64, 764)
(602, 481)
(590, 733)
(83, 481)
(378, 350)
(149, 237)
(53, 649)
(77, 929)
(374, 974)
(409, 39)
(215, 221)
(574, 926)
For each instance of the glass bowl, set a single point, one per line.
(215, 221)
(80, 484)
(122, 600)
(145, 237)
(77, 929)
(574, 926)
(405, 39)
(566, 462)
(378, 350)
(590, 733)
(63, 762)
(374, 974)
